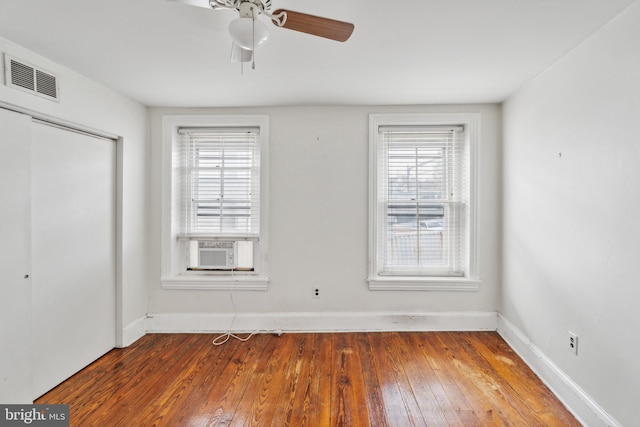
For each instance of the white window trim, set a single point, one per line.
(173, 273)
(471, 282)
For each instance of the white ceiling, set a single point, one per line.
(163, 53)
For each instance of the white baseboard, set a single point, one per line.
(583, 407)
(321, 322)
(134, 331)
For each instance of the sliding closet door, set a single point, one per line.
(73, 247)
(15, 256)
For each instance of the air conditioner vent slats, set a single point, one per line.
(46, 84)
(22, 75)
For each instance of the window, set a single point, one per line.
(215, 234)
(422, 211)
(220, 196)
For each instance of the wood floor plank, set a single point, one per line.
(505, 382)
(139, 388)
(516, 375)
(110, 375)
(418, 377)
(294, 378)
(441, 395)
(322, 382)
(218, 396)
(394, 384)
(378, 379)
(404, 382)
(493, 383)
(374, 399)
(267, 388)
(247, 363)
(156, 403)
(238, 415)
(348, 405)
(481, 387)
(193, 384)
(442, 365)
(233, 391)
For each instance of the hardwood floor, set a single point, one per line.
(340, 379)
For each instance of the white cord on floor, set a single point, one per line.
(223, 338)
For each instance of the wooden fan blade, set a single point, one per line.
(316, 25)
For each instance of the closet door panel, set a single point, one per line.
(15, 255)
(73, 247)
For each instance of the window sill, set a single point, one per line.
(413, 283)
(216, 283)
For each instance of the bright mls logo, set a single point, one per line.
(34, 415)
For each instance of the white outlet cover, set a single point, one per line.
(573, 343)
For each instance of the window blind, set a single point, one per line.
(220, 182)
(422, 197)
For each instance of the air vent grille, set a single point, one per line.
(46, 84)
(24, 76)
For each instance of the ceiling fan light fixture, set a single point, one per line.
(239, 54)
(247, 32)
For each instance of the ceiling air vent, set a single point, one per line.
(24, 76)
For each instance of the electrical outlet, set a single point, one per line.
(573, 343)
(316, 292)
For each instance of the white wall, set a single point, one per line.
(318, 219)
(92, 105)
(571, 218)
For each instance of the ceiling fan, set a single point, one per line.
(247, 32)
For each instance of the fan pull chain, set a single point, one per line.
(253, 40)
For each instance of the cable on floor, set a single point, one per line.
(223, 338)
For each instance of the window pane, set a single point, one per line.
(415, 236)
(416, 173)
(224, 184)
(420, 225)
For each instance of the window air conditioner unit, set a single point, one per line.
(216, 255)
